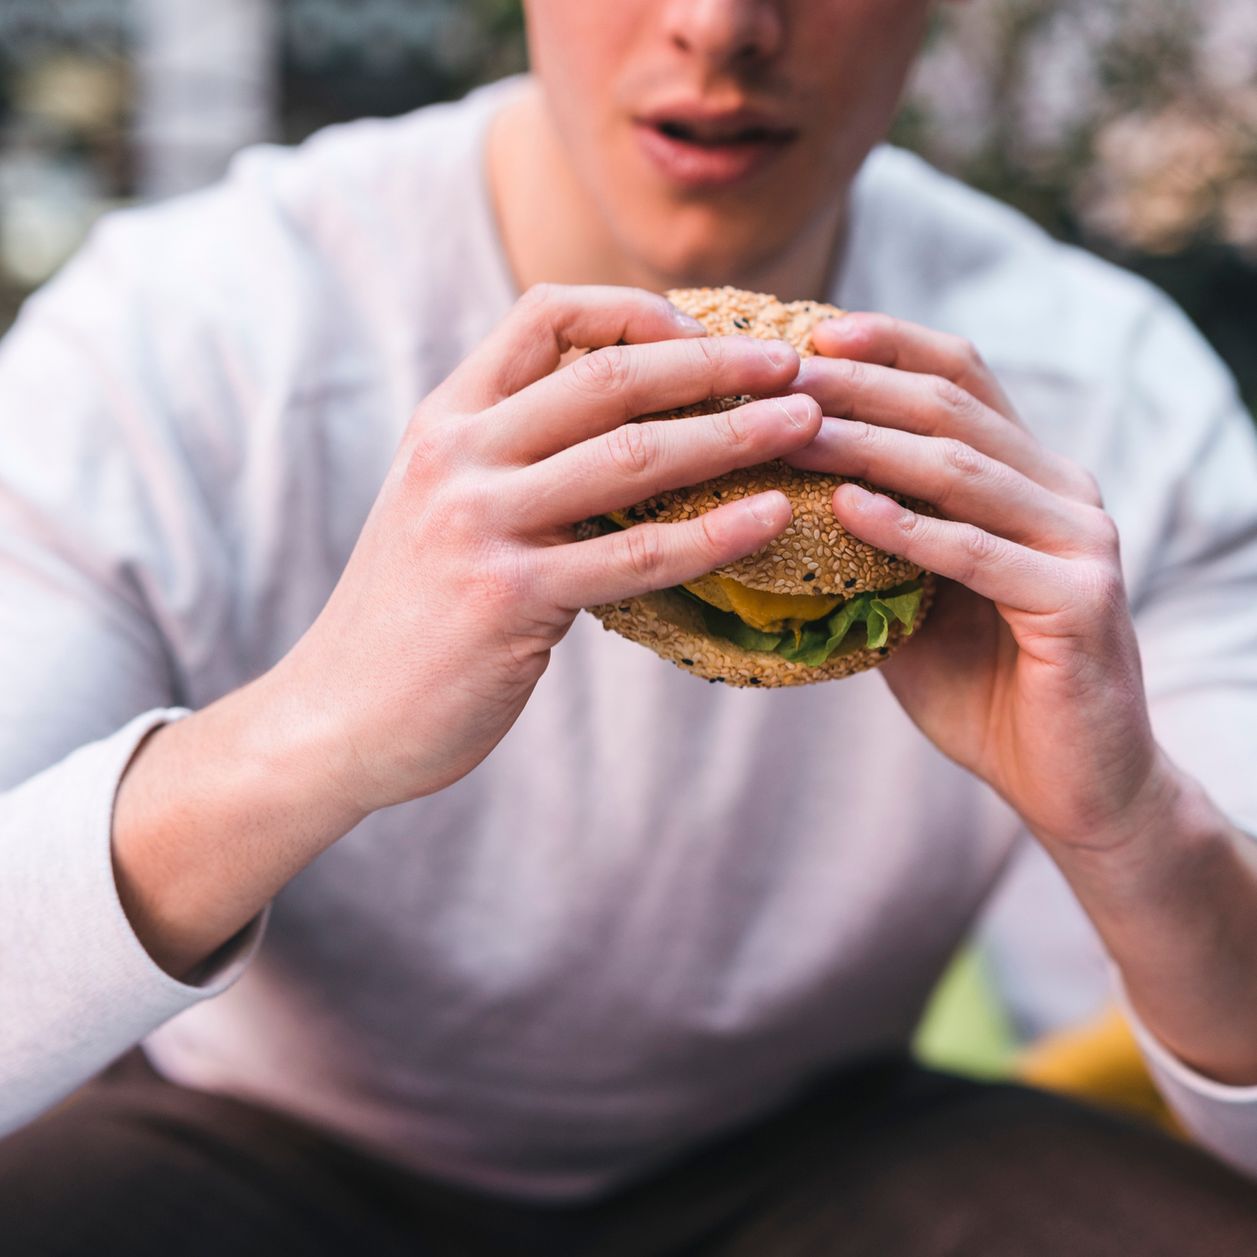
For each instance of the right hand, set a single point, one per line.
(466, 573)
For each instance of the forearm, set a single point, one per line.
(217, 812)
(1175, 900)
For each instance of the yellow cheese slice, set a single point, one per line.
(768, 612)
(773, 613)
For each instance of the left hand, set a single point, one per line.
(1027, 671)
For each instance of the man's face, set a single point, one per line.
(711, 133)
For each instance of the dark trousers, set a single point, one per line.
(887, 1160)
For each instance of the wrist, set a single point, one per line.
(301, 749)
(214, 815)
(1167, 828)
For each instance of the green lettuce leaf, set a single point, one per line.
(862, 621)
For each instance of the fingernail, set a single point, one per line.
(688, 324)
(796, 410)
(777, 352)
(764, 508)
(855, 498)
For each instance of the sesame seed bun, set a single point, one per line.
(814, 554)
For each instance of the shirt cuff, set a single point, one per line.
(80, 988)
(1222, 1117)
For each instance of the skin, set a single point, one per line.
(1027, 674)
(604, 214)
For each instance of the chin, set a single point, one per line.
(689, 247)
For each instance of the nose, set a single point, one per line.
(728, 33)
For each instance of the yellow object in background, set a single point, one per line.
(1100, 1062)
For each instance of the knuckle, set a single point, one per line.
(539, 298)
(499, 579)
(856, 373)
(909, 524)
(430, 447)
(950, 396)
(979, 548)
(968, 357)
(861, 433)
(731, 426)
(603, 371)
(859, 383)
(862, 441)
(713, 355)
(643, 550)
(881, 324)
(708, 538)
(964, 467)
(469, 506)
(962, 458)
(1103, 528)
(633, 448)
(1088, 487)
(1103, 586)
(1074, 481)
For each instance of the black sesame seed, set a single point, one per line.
(809, 575)
(689, 663)
(624, 608)
(753, 680)
(848, 583)
(883, 650)
(740, 322)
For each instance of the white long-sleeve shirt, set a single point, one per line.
(659, 906)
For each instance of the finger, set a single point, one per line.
(637, 460)
(962, 482)
(998, 569)
(546, 322)
(604, 389)
(657, 556)
(931, 405)
(889, 342)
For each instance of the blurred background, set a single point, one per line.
(1129, 126)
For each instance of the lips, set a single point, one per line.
(695, 147)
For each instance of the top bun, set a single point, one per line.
(815, 554)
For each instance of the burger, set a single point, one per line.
(815, 603)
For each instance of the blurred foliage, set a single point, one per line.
(1127, 126)
(383, 57)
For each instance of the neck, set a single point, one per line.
(552, 230)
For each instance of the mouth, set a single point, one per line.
(697, 150)
(718, 134)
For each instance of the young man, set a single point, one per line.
(454, 924)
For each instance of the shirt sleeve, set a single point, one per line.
(110, 586)
(1219, 1116)
(1195, 608)
(79, 988)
